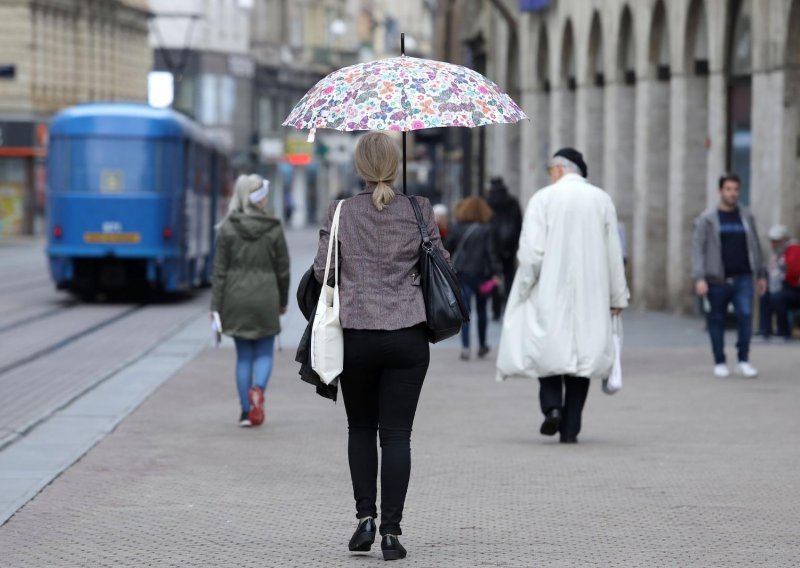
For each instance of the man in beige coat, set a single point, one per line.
(570, 281)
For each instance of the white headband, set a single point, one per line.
(261, 193)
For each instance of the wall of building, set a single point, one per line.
(67, 51)
(643, 89)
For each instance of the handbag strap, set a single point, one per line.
(423, 230)
(333, 246)
(463, 242)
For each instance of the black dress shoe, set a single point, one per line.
(552, 420)
(569, 439)
(392, 549)
(364, 536)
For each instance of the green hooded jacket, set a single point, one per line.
(251, 275)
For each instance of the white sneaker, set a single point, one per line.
(747, 370)
(721, 371)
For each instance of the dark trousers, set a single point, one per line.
(567, 393)
(500, 297)
(765, 316)
(470, 286)
(739, 291)
(381, 383)
(788, 298)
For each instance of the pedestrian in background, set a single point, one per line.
(569, 283)
(506, 228)
(386, 351)
(726, 254)
(441, 214)
(474, 258)
(783, 293)
(250, 289)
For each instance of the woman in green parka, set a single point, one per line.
(251, 288)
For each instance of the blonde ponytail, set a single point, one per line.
(382, 196)
(377, 159)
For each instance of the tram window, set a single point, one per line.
(112, 165)
(58, 169)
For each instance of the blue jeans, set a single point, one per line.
(469, 288)
(738, 290)
(253, 365)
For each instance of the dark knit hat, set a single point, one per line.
(575, 157)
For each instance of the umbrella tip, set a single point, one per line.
(312, 135)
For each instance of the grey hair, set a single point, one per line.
(568, 165)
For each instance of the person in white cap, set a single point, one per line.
(784, 283)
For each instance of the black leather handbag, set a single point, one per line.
(445, 309)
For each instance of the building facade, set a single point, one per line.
(53, 54)
(662, 97)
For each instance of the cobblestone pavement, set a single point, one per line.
(679, 469)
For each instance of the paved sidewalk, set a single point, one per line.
(680, 469)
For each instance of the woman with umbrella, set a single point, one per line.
(386, 350)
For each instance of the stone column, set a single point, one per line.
(590, 129)
(651, 187)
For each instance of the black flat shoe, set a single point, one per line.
(569, 439)
(364, 536)
(552, 420)
(392, 549)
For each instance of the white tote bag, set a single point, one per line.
(613, 384)
(327, 338)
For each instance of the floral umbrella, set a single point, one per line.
(403, 93)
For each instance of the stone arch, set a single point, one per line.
(790, 187)
(659, 51)
(542, 102)
(739, 71)
(621, 135)
(591, 104)
(651, 208)
(626, 53)
(543, 60)
(565, 99)
(690, 178)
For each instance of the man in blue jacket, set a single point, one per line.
(726, 255)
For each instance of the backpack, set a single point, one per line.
(792, 259)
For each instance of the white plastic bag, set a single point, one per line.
(613, 384)
(327, 337)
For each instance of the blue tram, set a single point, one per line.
(133, 193)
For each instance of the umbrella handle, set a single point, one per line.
(404, 163)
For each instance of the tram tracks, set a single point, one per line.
(60, 343)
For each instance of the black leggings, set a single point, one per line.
(381, 382)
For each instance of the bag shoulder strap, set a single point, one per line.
(423, 229)
(463, 242)
(333, 246)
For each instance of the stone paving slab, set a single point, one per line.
(679, 469)
(33, 461)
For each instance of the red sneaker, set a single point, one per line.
(256, 414)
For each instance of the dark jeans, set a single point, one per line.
(765, 316)
(469, 286)
(381, 383)
(739, 291)
(500, 297)
(781, 302)
(567, 393)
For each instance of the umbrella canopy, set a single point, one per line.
(403, 93)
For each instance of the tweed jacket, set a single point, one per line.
(379, 257)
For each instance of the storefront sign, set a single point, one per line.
(298, 151)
